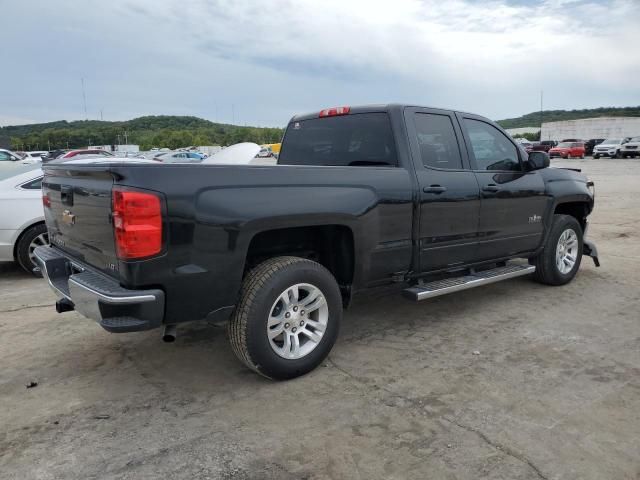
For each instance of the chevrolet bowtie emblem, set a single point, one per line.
(68, 217)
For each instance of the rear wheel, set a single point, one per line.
(287, 319)
(35, 236)
(560, 258)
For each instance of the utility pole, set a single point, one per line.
(541, 97)
(84, 100)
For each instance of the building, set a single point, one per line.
(116, 148)
(586, 128)
(519, 131)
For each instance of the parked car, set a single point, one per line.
(589, 145)
(610, 147)
(438, 200)
(53, 154)
(631, 148)
(9, 156)
(179, 157)
(526, 144)
(568, 150)
(544, 146)
(265, 153)
(33, 157)
(86, 151)
(22, 226)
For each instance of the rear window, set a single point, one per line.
(363, 139)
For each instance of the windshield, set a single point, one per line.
(612, 140)
(635, 139)
(6, 156)
(347, 140)
(564, 145)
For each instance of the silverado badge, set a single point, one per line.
(535, 219)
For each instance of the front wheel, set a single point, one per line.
(596, 157)
(35, 236)
(560, 258)
(618, 154)
(287, 318)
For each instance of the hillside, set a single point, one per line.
(533, 119)
(151, 131)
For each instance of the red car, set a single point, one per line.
(568, 150)
(85, 151)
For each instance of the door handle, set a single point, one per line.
(434, 189)
(490, 188)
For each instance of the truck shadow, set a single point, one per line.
(201, 365)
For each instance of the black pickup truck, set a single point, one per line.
(361, 197)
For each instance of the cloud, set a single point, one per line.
(261, 62)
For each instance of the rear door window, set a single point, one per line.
(355, 140)
(437, 140)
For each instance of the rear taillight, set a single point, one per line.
(46, 201)
(334, 112)
(137, 223)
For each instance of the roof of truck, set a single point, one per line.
(381, 107)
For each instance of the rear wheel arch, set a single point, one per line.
(331, 245)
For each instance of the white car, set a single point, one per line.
(609, 148)
(22, 226)
(33, 157)
(9, 156)
(631, 148)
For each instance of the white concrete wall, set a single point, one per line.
(520, 131)
(602, 127)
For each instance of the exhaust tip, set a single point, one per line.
(169, 335)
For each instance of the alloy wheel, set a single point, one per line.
(297, 321)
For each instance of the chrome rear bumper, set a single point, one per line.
(98, 296)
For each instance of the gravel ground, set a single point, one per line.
(554, 392)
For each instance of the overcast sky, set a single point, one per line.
(259, 62)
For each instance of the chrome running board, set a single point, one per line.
(423, 291)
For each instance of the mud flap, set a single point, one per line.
(589, 249)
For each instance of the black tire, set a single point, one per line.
(24, 246)
(618, 154)
(247, 329)
(547, 271)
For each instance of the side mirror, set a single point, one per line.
(537, 161)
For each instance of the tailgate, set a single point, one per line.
(78, 214)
